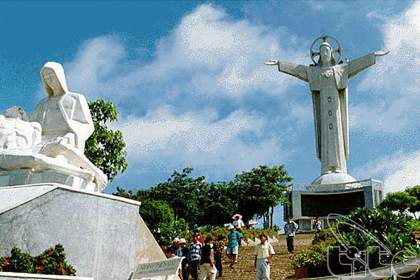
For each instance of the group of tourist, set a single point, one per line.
(202, 259)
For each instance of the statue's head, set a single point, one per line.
(326, 54)
(52, 74)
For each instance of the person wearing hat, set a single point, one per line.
(232, 249)
(238, 224)
(182, 252)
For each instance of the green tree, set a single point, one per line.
(408, 200)
(155, 213)
(414, 192)
(218, 204)
(258, 191)
(160, 219)
(106, 147)
(182, 192)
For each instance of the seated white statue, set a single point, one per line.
(66, 124)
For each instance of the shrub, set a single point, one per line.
(380, 228)
(308, 258)
(51, 261)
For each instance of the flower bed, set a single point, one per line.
(51, 261)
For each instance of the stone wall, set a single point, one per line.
(104, 236)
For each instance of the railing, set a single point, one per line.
(349, 185)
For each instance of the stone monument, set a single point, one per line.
(51, 193)
(328, 79)
(49, 147)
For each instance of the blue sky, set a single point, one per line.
(189, 81)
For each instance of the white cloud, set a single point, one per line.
(164, 139)
(391, 87)
(206, 59)
(398, 170)
(207, 53)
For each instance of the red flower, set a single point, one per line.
(50, 253)
(54, 263)
(42, 261)
(39, 268)
(6, 263)
(61, 270)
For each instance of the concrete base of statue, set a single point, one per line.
(333, 178)
(103, 235)
(310, 201)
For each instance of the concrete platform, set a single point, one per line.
(103, 235)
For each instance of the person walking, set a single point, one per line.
(233, 245)
(317, 225)
(263, 254)
(238, 224)
(207, 266)
(219, 247)
(195, 257)
(290, 229)
(182, 252)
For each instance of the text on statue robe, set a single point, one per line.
(328, 81)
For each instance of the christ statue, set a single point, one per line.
(328, 81)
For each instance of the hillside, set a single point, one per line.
(281, 267)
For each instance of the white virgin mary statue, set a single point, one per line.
(50, 146)
(328, 82)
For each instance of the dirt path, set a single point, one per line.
(281, 267)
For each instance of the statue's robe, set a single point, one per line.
(66, 115)
(330, 107)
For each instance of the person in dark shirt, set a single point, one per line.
(207, 265)
(219, 247)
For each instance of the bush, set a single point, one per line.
(51, 261)
(307, 259)
(380, 226)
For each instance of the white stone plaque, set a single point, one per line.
(163, 270)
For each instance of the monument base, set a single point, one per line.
(333, 179)
(103, 235)
(21, 177)
(308, 202)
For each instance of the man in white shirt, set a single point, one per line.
(290, 229)
(263, 254)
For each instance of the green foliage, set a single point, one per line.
(408, 200)
(201, 203)
(155, 213)
(307, 258)
(51, 261)
(160, 219)
(395, 231)
(263, 188)
(106, 147)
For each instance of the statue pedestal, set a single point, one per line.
(310, 201)
(103, 235)
(28, 177)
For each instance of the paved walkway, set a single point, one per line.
(281, 267)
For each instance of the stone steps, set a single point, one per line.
(281, 267)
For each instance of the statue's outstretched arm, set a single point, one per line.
(296, 70)
(359, 64)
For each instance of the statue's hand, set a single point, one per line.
(272, 62)
(381, 53)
